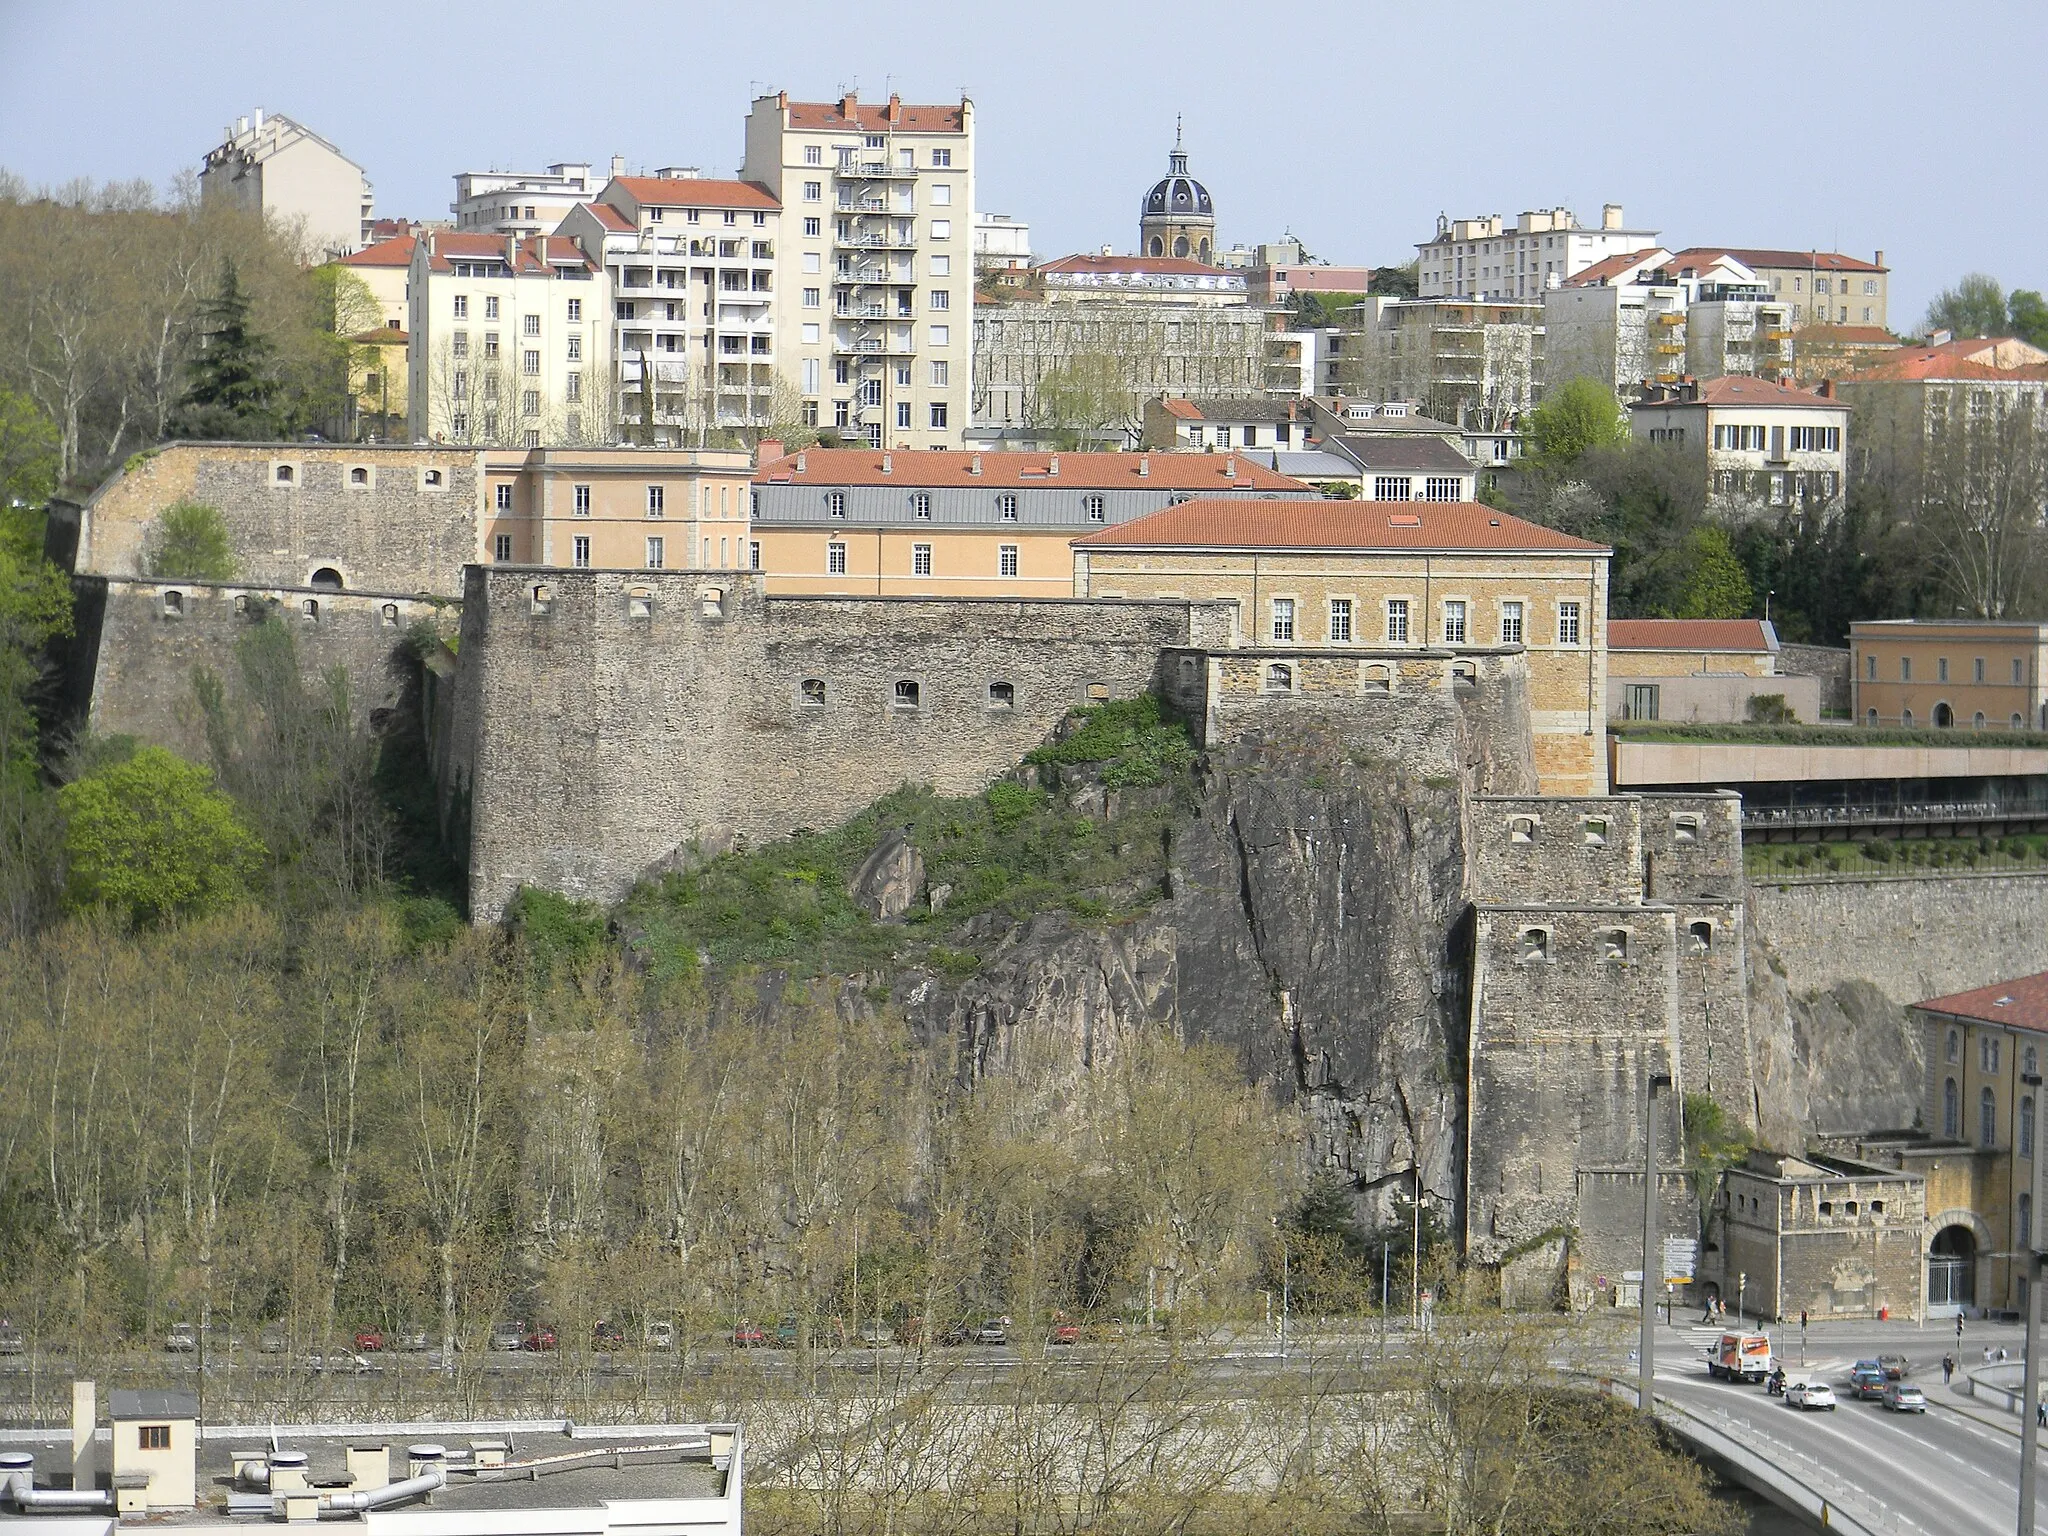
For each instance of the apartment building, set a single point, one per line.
(379, 369)
(862, 521)
(1967, 674)
(1487, 258)
(1816, 287)
(1001, 243)
(619, 508)
(1620, 321)
(1906, 405)
(286, 173)
(875, 278)
(510, 341)
(693, 266)
(1312, 577)
(523, 202)
(1477, 364)
(1754, 439)
(1207, 424)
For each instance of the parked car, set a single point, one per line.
(370, 1340)
(507, 1336)
(413, 1341)
(1895, 1367)
(607, 1336)
(993, 1330)
(659, 1333)
(787, 1333)
(874, 1333)
(11, 1341)
(746, 1335)
(538, 1339)
(1866, 1381)
(271, 1341)
(1904, 1397)
(1810, 1395)
(183, 1339)
(1064, 1330)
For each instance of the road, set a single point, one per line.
(1942, 1473)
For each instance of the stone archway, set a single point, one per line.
(1960, 1238)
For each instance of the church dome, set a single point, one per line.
(1178, 196)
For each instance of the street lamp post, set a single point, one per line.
(1646, 1348)
(2030, 1413)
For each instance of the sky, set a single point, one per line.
(1881, 124)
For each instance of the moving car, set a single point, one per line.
(507, 1337)
(1866, 1381)
(413, 1341)
(369, 1340)
(1740, 1357)
(1064, 1330)
(11, 1341)
(183, 1339)
(1904, 1397)
(788, 1332)
(1895, 1367)
(993, 1330)
(1810, 1395)
(538, 1338)
(607, 1336)
(746, 1335)
(659, 1333)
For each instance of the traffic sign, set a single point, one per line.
(1681, 1258)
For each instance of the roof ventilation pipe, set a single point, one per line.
(403, 1492)
(18, 1487)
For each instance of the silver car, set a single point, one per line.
(508, 1337)
(183, 1339)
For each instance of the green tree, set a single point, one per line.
(2026, 314)
(192, 544)
(152, 838)
(1575, 418)
(1086, 399)
(1974, 307)
(1716, 585)
(28, 452)
(231, 392)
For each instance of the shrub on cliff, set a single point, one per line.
(1135, 740)
(191, 543)
(152, 838)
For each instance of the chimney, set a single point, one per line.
(1880, 258)
(259, 119)
(512, 251)
(767, 451)
(241, 126)
(888, 464)
(84, 1415)
(849, 104)
(1610, 215)
(1053, 468)
(1144, 464)
(974, 465)
(800, 463)
(895, 108)
(1230, 467)
(618, 165)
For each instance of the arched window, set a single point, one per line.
(2018, 724)
(1870, 718)
(1202, 251)
(2027, 1125)
(1614, 946)
(1180, 245)
(389, 613)
(327, 579)
(359, 476)
(1158, 247)
(2023, 1214)
(1378, 679)
(1279, 678)
(174, 605)
(1906, 718)
(311, 609)
(906, 693)
(1955, 1045)
(1533, 948)
(1951, 1110)
(1522, 829)
(639, 603)
(1987, 1118)
(1978, 722)
(1702, 933)
(284, 474)
(1002, 695)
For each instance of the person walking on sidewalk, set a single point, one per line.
(1948, 1369)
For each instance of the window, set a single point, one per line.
(282, 475)
(812, 298)
(1279, 678)
(1454, 621)
(1522, 829)
(1002, 695)
(942, 336)
(461, 309)
(154, 1437)
(529, 325)
(431, 479)
(941, 159)
(1987, 1118)
(458, 347)
(1951, 1112)
(920, 559)
(490, 309)
(1639, 700)
(529, 403)
(1441, 488)
(942, 229)
(814, 154)
(655, 549)
(813, 191)
(903, 413)
(1594, 831)
(529, 364)
(835, 503)
(174, 605)
(1095, 507)
(1390, 487)
(657, 500)
(2026, 1130)
(1905, 669)
(1378, 679)
(1941, 669)
(1567, 623)
(1397, 621)
(941, 298)
(1685, 829)
(1870, 668)
(575, 311)
(1223, 437)
(835, 558)
(753, 554)
(941, 266)
(1511, 623)
(811, 693)
(502, 547)
(941, 372)
(1006, 560)
(1701, 935)
(2023, 1212)
(1006, 506)
(905, 694)
(490, 345)
(939, 416)
(1283, 618)
(572, 391)
(1614, 946)
(580, 555)
(813, 228)
(810, 330)
(1533, 947)
(1340, 621)
(1987, 1052)
(504, 498)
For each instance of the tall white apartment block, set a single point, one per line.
(510, 341)
(1490, 260)
(692, 266)
(875, 282)
(284, 171)
(521, 202)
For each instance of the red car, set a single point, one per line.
(540, 1338)
(369, 1340)
(1065, 1330)
(746, 1335)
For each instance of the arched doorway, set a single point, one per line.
(1952, 1270)
(1944, 717)
(327, 579)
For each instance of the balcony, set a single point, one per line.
(882, 242)
(1671, 348)
(876, 170)
(1672, 318)
(873, 346)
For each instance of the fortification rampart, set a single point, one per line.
(378, 518)
(606, 721)
(151, 638)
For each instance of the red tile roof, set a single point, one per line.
(1186, 410)
(1266, 523)
(1970, 358)
(1077, 471)
(2022, 1003)
(1848, 336)
(1754, 257)
(676, 192)
(444, 245)
(893, 114)
(1736, 389)
(1748, 635)
(1177, 266)
(395, 252)
(607, 215)
(1608, 268)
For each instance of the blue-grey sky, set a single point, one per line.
(1893, 124)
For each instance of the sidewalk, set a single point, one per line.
(1964, 1406)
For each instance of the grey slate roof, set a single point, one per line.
(1429, 455)
(123, 1404)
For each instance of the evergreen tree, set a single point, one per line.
(232, 390)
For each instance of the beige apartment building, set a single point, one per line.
(1478, 364)
(1903, 403)
(380, 369)
(619, 508)
(1816, 287)
(1488, 259)
(1966, 674)
(1373, 577)
(875, 280)
(856, 521)
(287, 174)
(1754, 439)
(510, 341)
(692, 269)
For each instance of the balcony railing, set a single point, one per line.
(889, 242)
